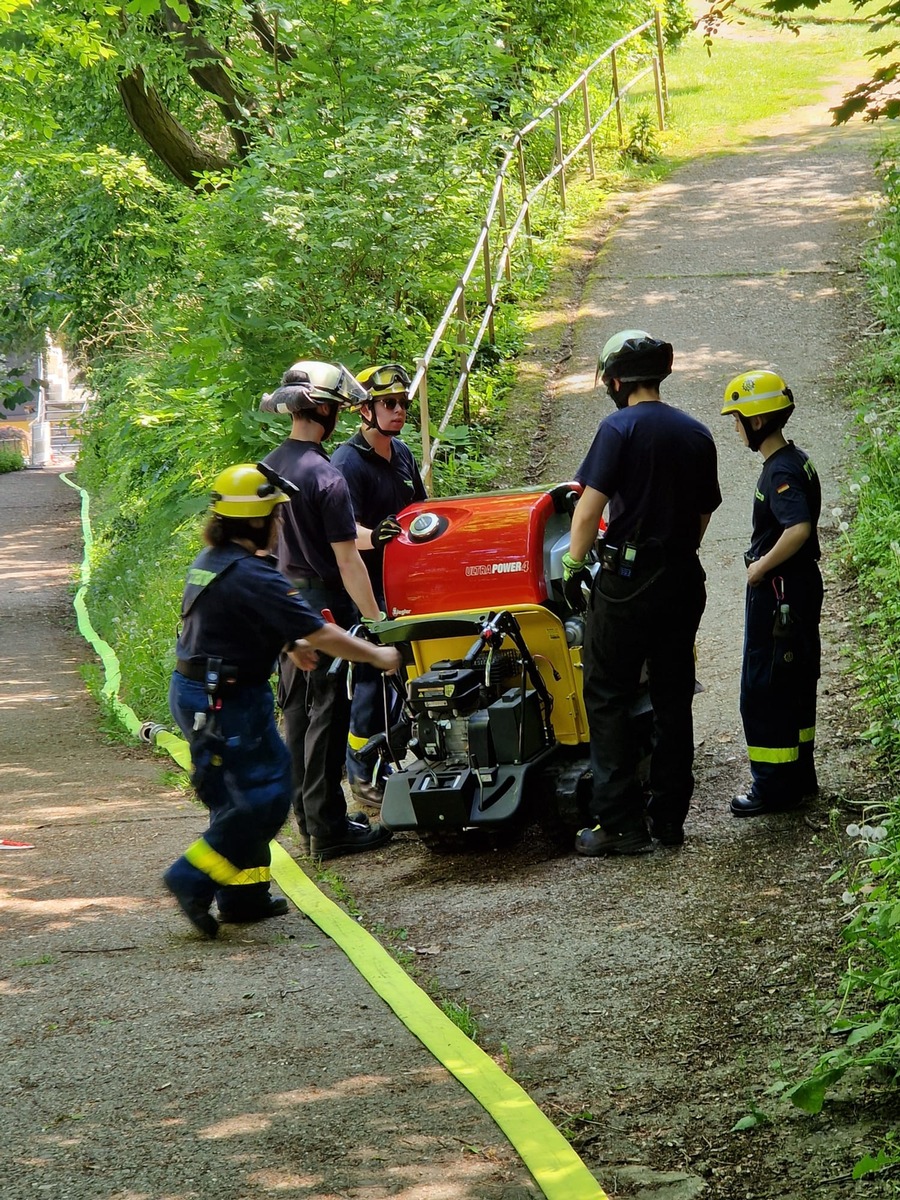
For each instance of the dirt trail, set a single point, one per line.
(642, 1002)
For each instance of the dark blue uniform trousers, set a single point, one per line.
(632, 621)
(244, 779)
(778, 686)
(367, 717)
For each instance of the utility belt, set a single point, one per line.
(228, 676)
(632, 559)
(308, 582)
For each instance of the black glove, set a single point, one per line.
(385, 531)
(575, 574)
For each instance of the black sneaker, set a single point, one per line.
(667, 833)
(753, 805)
(195, 911)
(597, 841)
(353, 840)
(273, 906)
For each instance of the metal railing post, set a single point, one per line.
(586, 101)
(660, 51)
(424, 419)
(615, 83)
(560, 156)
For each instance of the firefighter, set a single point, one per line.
(317, 551)
(783, 602)
(238, 613)
(383, 478)
(655, 467)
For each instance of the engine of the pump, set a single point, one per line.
(474, 715)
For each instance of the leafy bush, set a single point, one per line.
(11, 460)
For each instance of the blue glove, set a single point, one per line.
(575, 577)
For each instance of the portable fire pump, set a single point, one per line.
(495, 726)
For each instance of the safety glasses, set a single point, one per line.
(391, 402)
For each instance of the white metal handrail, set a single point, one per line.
(496, 273)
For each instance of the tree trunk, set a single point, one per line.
(165, 136)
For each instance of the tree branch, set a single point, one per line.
(165, 136)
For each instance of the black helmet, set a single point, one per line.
(632, 356)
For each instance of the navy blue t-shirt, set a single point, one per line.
(244, 614)
(788, 493)
(321, 514)
(658, 467)
(378, 488)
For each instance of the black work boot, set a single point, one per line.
(353, 839)
(754, 805)
(597, 841)
(270, 906)
(667, 833)
(196, 912)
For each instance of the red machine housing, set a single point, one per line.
(469, 552)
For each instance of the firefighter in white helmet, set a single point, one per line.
(783, 602)
(317, 551)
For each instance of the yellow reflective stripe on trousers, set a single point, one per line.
(808, 735)
(202, 856)
(766, 754)
(355, 742)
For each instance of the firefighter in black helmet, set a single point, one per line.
(655, 467)
(783, 602)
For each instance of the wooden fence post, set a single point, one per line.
(557, 120)
(615, 83)
(586, 101)
(424, 420)
(462, 342)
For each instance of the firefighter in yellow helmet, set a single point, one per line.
(383, 478)
(783, 602)
(238, 613)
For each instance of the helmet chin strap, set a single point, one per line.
(372, 422)
(327, 422)
(618, 399)
(756, 437)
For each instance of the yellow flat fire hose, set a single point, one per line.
(556, 1168)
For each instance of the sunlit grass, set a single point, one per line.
(754, 73)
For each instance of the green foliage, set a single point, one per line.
(642, 145)
(868, 1025)
(11, 460)
(461, 1016)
